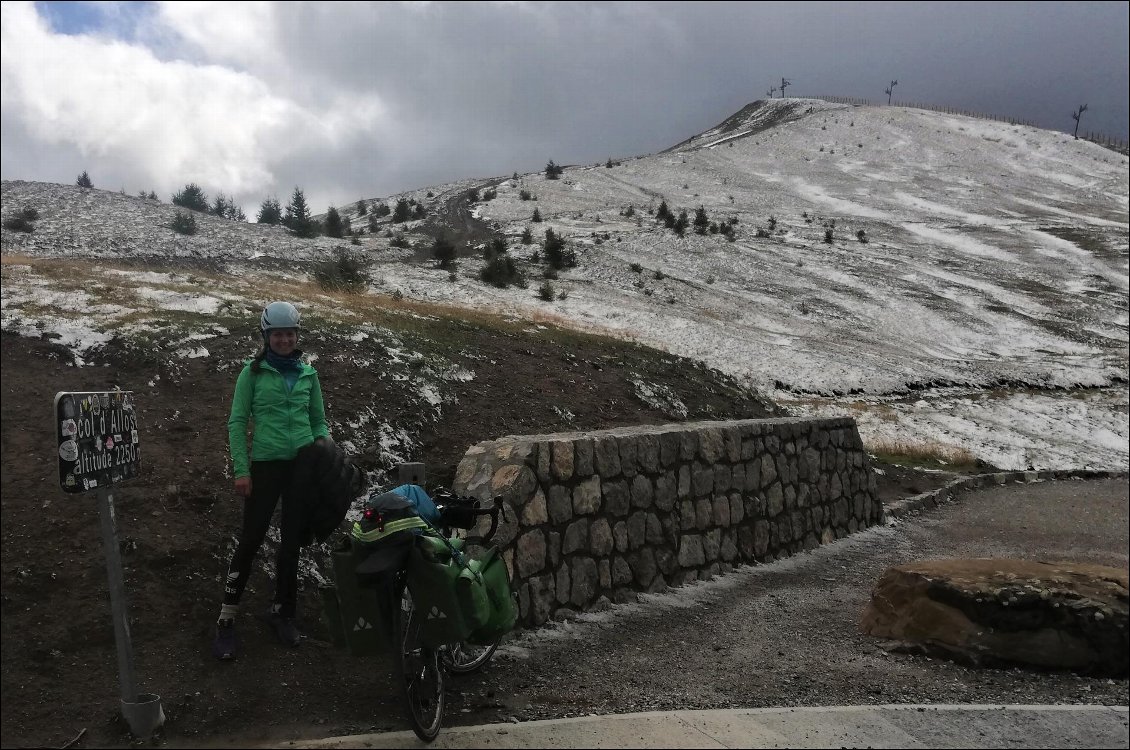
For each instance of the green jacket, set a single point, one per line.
(284, 421)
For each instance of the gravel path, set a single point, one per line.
(786, 634)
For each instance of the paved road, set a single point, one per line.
(777, 649)
(850, 726)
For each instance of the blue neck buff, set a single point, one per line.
(289, 367)
(283, 364)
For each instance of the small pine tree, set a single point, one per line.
(333, 225)
(556, 253)
(297, 218)
(420, 211)
(183, 223)
(220, 207)
(681, 223)
(382, 210)
(270, 212)
(527, 236)
(552, 171)
(362, 209)
(536, 217)
(401, 212)
(153, 195)
(662, 212)
(83, 180)
(701, 221)
(496, 248)
(192, 198)
(443, 251)
(501, 271)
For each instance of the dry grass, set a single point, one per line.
(926, 453)
(375, 307)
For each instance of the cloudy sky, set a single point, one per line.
(352, 100)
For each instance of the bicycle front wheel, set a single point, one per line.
(419, 675)
(464, 658)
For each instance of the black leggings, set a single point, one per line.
(269, 481)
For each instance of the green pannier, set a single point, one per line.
(352, 611)
(459, 599)
(431, 580)
(502, 610)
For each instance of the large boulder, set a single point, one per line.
(1057, 615)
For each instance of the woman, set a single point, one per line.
(284, 398)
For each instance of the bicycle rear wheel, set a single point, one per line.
(419, 675)
(464, 658)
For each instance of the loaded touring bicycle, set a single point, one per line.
(407, 583)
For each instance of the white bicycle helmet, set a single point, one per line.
(279, 315)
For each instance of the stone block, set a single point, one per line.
(553, 548)
(586, 581)
(586, 497)
(712, 544)
(560, 504)
(691, 554)
(665, 491)
(643, 494)
(654, 530)
(704, 513)
(643, 566)
(620, 536)
(562, 462)
(629, 451)
(688, 517)
(668, 449)
(606, 457)
(576, 536)
(621, 571)
(637, 529)
(710, 445)
(703, 478)
(775, 500)
(583, 457)
(648, 453)
(536, 511)
(530, 553)
(737, 509)
(721, 510)
(616, 498)
(600, 538)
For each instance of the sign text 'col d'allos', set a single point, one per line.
(97, 435)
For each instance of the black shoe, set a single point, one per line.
(285, 629)
(225, 645)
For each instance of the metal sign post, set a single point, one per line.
(98, 447)
(119, 610)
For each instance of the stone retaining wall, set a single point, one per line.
(595, 517)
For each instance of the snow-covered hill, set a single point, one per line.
(987, 307)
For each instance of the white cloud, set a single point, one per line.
(173, 121)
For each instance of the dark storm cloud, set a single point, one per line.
(444, 91)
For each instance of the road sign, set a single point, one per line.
(99, 447)
(97, 437)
